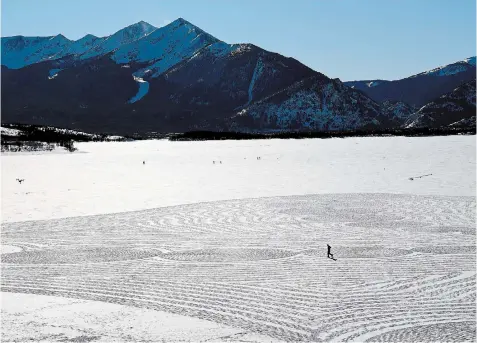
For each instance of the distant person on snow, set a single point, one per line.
(329, 252)
(143, 162)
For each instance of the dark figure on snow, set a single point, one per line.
(20, 180)
(143, 162)
(329, 252)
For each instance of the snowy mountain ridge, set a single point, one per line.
(164, 47)
(124, 36)
(20, 51)
(178, 77)
(445, 70)
(419, 89)
(140, 42)
(451, 69)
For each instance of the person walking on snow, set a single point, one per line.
(329, 252)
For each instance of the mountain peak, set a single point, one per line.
(135, 31)
(470, 60)
(140, 26)
(165, 47)
(60, 37)
(89, 36)
(124, 36)
(181, 21)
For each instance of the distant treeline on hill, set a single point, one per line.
(409, 132)
(24, 137)
(50, 134)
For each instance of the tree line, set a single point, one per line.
(408, 132)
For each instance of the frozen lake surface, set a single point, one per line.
(236, 251)
(110, 177)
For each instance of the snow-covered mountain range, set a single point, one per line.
(19, 51)
(418, 90)
(178, 78)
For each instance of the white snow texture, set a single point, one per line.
(236, 251)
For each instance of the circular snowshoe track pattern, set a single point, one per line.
(445, 332)
(75, 256)
(405, 268)
(228, 255)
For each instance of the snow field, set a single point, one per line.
(110, 177)
(69, 319)
(405, 262)
(240, 247)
